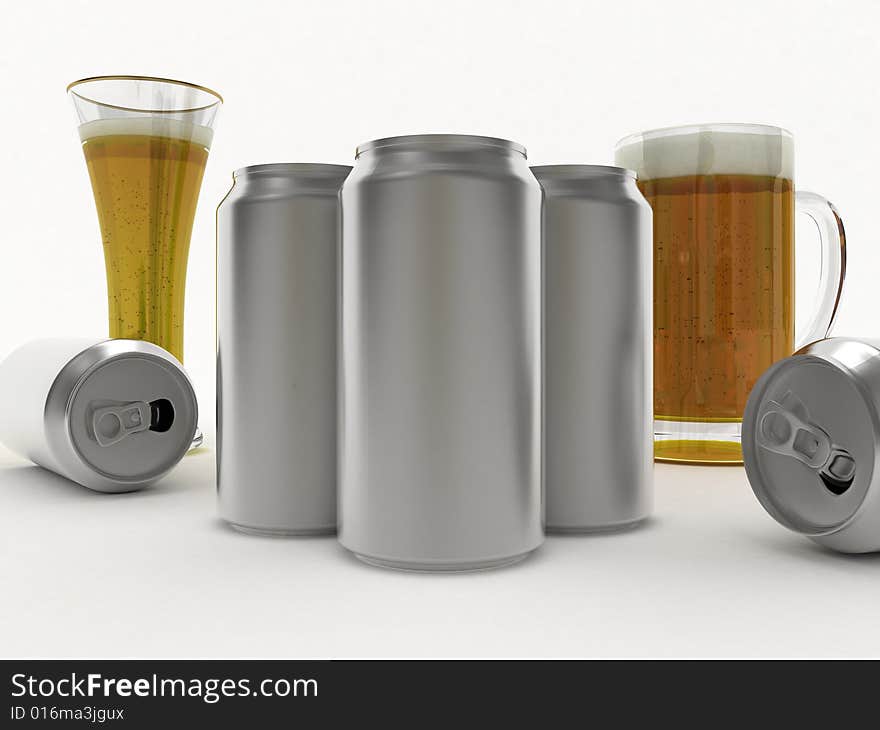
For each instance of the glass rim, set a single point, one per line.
(720, 127)
(157, 79)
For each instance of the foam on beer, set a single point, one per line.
(711, 150)
(152, 126)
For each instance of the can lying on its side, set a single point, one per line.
(277, 241)
(440, 461)
(811, 436)
(112, 415)
(597, 348)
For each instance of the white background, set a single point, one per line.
(155, 574)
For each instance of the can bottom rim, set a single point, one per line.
(283, 531)
(453, 567)
(613, 527)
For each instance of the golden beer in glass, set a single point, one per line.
(146, 143)
(724, 202)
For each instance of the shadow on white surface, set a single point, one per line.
(802, 548)
(28, 481)
(40, 484)
(221, 525)
(647, 525)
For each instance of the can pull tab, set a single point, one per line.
(784, 428)
(111, 424)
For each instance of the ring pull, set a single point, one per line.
(784, 428)
(112, 424)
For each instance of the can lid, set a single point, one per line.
(129, 412)
(810, 435)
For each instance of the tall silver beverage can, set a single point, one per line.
(277, 270)
(597, 356)
(440, 464)
(811, 443)
(112, 415)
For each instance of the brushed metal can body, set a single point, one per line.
(441, 460)
(277, 272)
(111, 415)
(598, 349)
(811, 443)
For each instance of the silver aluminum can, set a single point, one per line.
(440, 464)
(811, 440)
(597, 348)
(277, 270)
(112, 415)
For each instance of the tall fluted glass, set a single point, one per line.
(146, 143)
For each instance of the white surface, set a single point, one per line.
(156, 574)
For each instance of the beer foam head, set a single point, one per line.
(149, 126)
(711, 149)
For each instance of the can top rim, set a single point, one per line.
(469, 140)
(573, 172)
(294, 168)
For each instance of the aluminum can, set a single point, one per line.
(441, 463)
(811, 439)
(277, 271)
(112, 415)
(597, 348)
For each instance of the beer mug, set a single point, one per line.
(724, 202)
(145, 142)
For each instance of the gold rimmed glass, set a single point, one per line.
(146, 143)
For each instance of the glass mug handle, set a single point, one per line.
(832, 241)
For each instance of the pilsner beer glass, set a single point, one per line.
(724, 202)
(146, 143)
